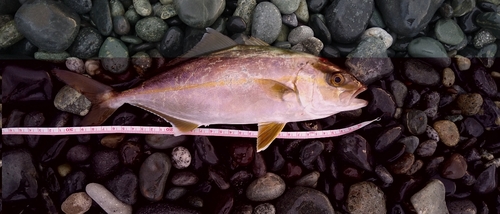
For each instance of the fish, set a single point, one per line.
(220, 81)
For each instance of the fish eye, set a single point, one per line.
(337, 79)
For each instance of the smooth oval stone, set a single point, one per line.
(469, 103)
(310, 152)
(78, 153)
(486, 181)
(101, 16)
(472, 127)
(266, 22)
(19, 178)
(467, 22)
(426, 148)
(431, 196)
(348, 19)
(114, 55)
(143, 7)
(366, 197)
(320, 30)
(106, 200)
(49, 25)
(454, 167)
(464, 206)
(116, 8)
(199, 13)
(448, 31)
(124, 186)
(421, 73)
(304, 200)
(265, 188)
(175, 193)
(205, 150)
(411, 143)
(300, 34)
(265, 208)
(485, 82)
(87, 43)
(387, 137)
(354, 149)
(171, 43)
(315, 6)
(132, 16)
(77, 203)
(384, 174)
(153, 175)
(407, 17)
(426, 47)
(79, 6)
(402, 164)
(302, 12)
(151, 29)
(399, 92)
(184, 178)
(382, 104)
(448, 132)
(286, 7)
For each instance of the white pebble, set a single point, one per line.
(106, 200)
(378, 33)
(75, 64)
(181, 158)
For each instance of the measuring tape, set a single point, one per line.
(169, 130)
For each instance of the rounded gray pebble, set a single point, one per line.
(286, 6)
(142, 7)
(399, 90)
(266, 23)
(426, 148)
(265, 188)
(384, 174)
(300, 34)
(430, 199)
(265, 208)
(309, 180)
(151, 29)
(461, 206)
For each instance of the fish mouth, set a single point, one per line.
(359, 91)
(358, 103)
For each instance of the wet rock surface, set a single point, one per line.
(429, 66)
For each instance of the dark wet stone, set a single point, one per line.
(60, 119)
(205, 150)
(291, 171)
(184, 178)
(275, 159)
(407, 18)
(124, 118)
(421, 73)
(382, 104)
(426, 148)
(191, 37)
(159, 141)
(33, 119)
(467, 22)
(79, 6)
(448, 32)
(485, 82)
(131, 154)
(22, 84)
(490, 114)
(236, 24)
(486, 181)
(471, 127)
(199, 14)
(310, 152)
(121, 26)
(449, 186)
(415, 121)
(454, 167)
(348, 19)
(124, 186)
(365, 197)
(315, 6)
(429, 50)
(403, 188)
(468, 179)
(78, 153)
(49, 25)
(14, 119)
(175, 193)
(412, 98)
(319, 28)
(162, 207)
(353, 149)
(19, 176)
(330, 52)
(387, 137)
(240, 180)
(153, 175)
(9, 7)
(75, 181)
(399, 92)
(242, 154)
(384, 174)
(259, 168)
(411, 143)
(402, 164)
(101, 16)
(489, 21)
(24, 48)
(218, 176)
(114, 55)
(104, 163)
(368, 62)
(54, 150)
(433, 165)
(393, 152)
(304, 200)
(86, 44)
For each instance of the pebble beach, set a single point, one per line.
(430, 67)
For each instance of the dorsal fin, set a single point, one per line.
(212, 41)
(255, 41)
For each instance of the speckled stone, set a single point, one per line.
(265, 188)
(9, 34)
(266, 23)
(142, 7)
(151, 29)
(300, 34)
(181, 158)
(483, 37)
(365, 197)
(430, 199)
(448, 132)
(76, 203)
(469, 103)
(448, 78)
(461, 206)
(70, 100)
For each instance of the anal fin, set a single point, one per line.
(267, 133)
(180, 126)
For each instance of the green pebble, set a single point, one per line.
(55, 57)
(490, 21)
(448, 31)
(151, 29)
(9, 34)
(132, 16)
(426, 47)
(131, 39)
(116, 8)
(143, 7)
(165, 11)
(461, 7)
(113, 48)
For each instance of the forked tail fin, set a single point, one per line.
(99, 94)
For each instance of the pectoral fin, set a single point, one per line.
(276, 90)
(267, 133)
(180, 126)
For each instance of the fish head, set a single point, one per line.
(331, 89)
